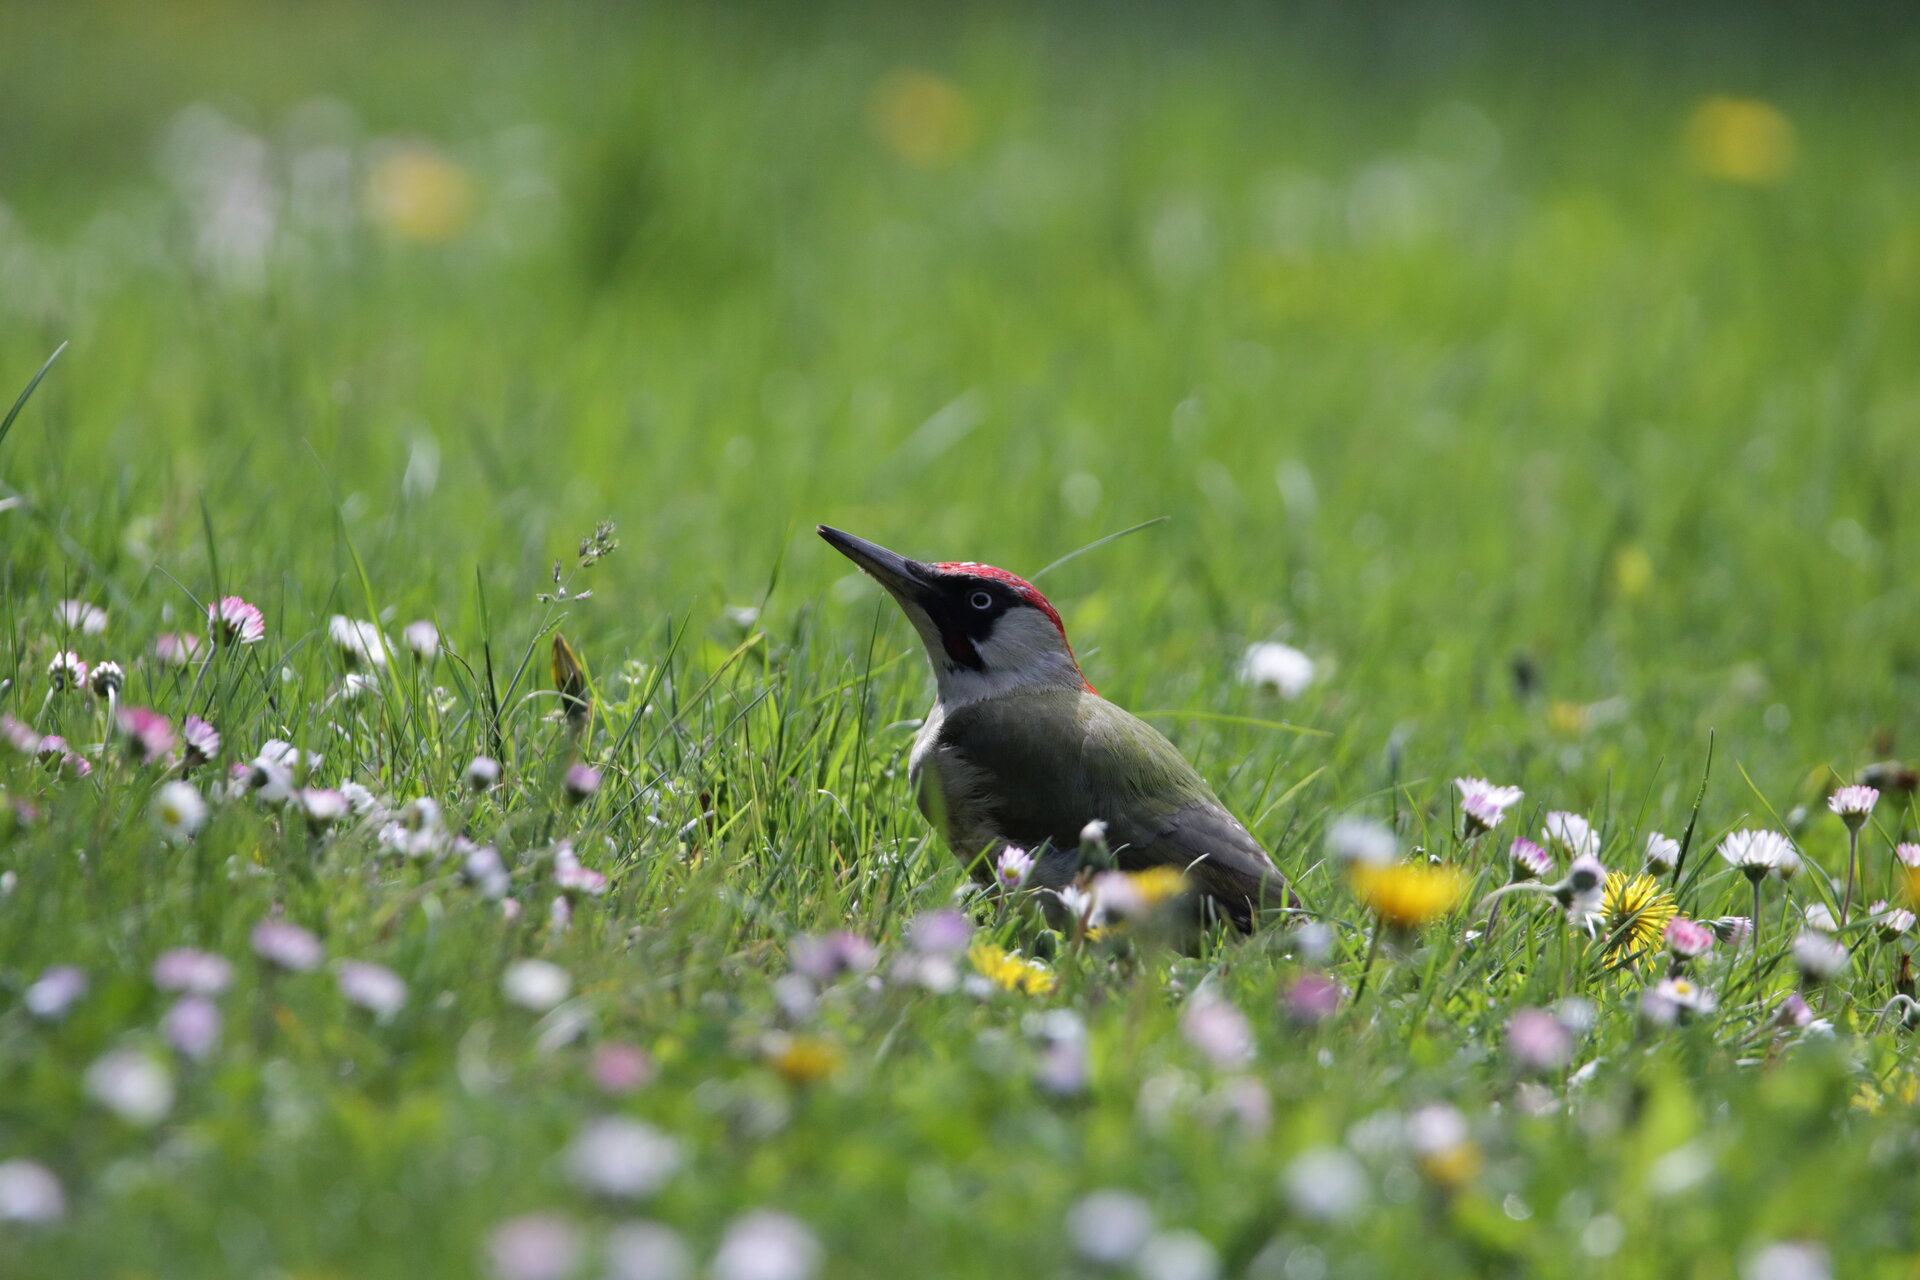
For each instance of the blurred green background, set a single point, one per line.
(1546, 373)
(1445, 334)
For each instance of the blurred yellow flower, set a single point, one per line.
(1566, 717)
(1634, 914)
(1903, 1089)
(921, 118)
(1157, 885)
(1740, 140)
(1452, 1168)
(1632, 571)
(1008, 971)
(803, 1059)
(1408, 894)
(415, 192)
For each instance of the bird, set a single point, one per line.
(1021, 751)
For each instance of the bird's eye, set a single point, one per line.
(980, 600)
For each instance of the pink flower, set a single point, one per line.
(202, 741)
(582, 781)
(231, 620)
(1312, 997)
(192, 1027)
(324, 806)
(56, 991)
(825, 957)
(1528, 861)
(287, 946)
(939, 933)
(19, 735)
(1795, 1012)
(1909, 854)
(1538, 1041)
(107, 679)
(374, 987)
(1688, 939)
(422, 637)
(191, 970)
(149, 734)
(175, 648)
(1731, 929)
(1013, 867)
(764, 1245)
(580, 882)
(67, 671)
(1484, 804)
(1853, 804)
(621, 1068)
(537, 1246)
(30, 1193)
(78, 615)
(1219, 1031)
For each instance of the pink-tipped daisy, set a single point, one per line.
(1538, 1041)
(78, 615)
(1688, 939)
(285, 945)
(149, 734)
(1755, 853)
(176, 648)
(1908, 854)
(106, 679)
(1484, 803)
(231, 620)
(422, 638)
(1731, 930)
(67, 671)
(190, 970)
(1853, 804)
(582, 781)
(359, 642)
(202, 741)
(373, 987)
(1012, 867)
(20, 735)
(579, 882)
(1818, 956)
(1528, 861)
(483, 773)
(1570, 833)
(1890, 921)
(324, 806)
(1676, 999)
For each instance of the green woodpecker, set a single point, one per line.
(1020, 751)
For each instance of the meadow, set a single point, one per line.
(1531, 399)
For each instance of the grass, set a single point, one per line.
(1571, 451)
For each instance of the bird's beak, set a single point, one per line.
(903, 578)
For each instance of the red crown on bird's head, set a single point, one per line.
(1028, 592)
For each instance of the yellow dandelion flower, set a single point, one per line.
(1008, 971)
(1157, 885)
(1634, 914)
(803, 1059)
(1408, 894)
(1740, 140)
(415, 192)
(1451, 1168)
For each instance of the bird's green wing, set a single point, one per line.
(1046, 764)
